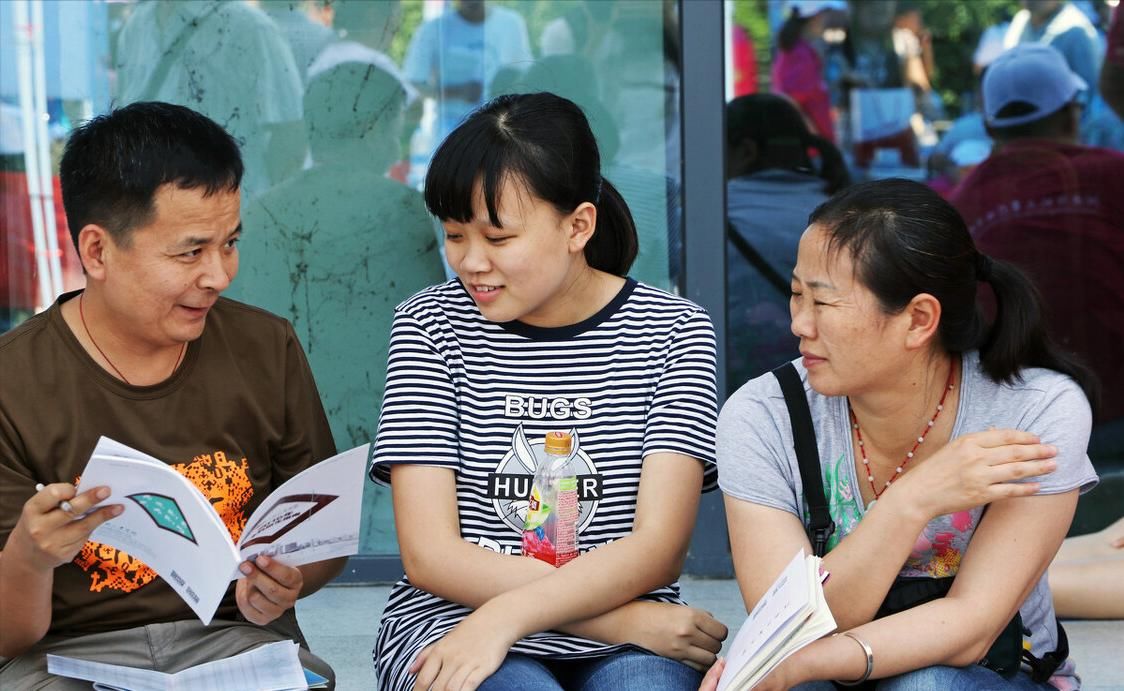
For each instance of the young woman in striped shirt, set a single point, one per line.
(542, 330)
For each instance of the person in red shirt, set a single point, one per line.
(1055, 208)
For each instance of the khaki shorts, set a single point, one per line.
(167, 647)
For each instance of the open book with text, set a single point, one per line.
(172, 527)
(791, 614)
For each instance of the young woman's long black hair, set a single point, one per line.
(905, 240)
(543, 141)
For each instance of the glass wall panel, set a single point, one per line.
(799, 85)
(338, 107)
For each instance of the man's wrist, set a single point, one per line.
(21, 556)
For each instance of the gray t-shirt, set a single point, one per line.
(757, 463)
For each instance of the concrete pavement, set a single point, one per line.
(340, 623)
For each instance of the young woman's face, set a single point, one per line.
(849, 344)
(522, 270)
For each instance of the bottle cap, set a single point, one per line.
(559, 443)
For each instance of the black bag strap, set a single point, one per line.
(1041, 669)
(807, 457)
(751, 255)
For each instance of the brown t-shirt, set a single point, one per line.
(240, 416)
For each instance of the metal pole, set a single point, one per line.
(704, 218)
(43, 143)
(25, 37)
(43, 146)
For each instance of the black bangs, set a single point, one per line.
(477, 151)
(543, 142)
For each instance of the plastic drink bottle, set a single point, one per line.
(550, 532)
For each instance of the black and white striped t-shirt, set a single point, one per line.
(462, 392)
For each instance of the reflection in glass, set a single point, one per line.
(773, 185)
(227, 60)
(337, 246)
(337, 106)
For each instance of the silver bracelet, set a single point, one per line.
(869, 660)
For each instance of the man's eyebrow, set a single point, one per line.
(197, 240)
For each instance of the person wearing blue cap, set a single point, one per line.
(1054, 207)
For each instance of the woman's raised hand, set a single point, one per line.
(977, 469)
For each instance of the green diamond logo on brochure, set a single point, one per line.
(509, 487)
(166, 513)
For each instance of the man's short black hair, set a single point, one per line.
(114, 164)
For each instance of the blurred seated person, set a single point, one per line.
(773, 184)
(1054, 207)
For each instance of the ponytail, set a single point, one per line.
(1017, 338)
(614, 244)
(833, 169)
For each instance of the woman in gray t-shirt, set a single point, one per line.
(924, 418)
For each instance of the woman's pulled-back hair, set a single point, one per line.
(782, 138)
(904, 240)
(544, 142)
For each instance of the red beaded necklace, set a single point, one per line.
(82, 316)
(908, 456)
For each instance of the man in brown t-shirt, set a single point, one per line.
(150, 355)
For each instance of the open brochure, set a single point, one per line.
(791, 614)
(170, 526)
(271, 667)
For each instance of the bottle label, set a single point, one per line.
(567, 512)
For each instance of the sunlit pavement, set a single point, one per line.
(340, 623)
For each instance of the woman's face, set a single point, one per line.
(849, 344)
(522, 270)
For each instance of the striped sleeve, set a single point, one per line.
(684, 411)
(419, 420)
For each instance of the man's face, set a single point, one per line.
(162, 281)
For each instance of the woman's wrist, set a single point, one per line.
(907, 505)
(834, 658)
(868, 661)
(509, 616)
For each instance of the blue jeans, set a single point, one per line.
(973, 678)
(631, 670)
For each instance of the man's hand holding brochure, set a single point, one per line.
(170, 526)
(791, 614)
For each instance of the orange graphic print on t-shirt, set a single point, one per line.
(224, 481)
